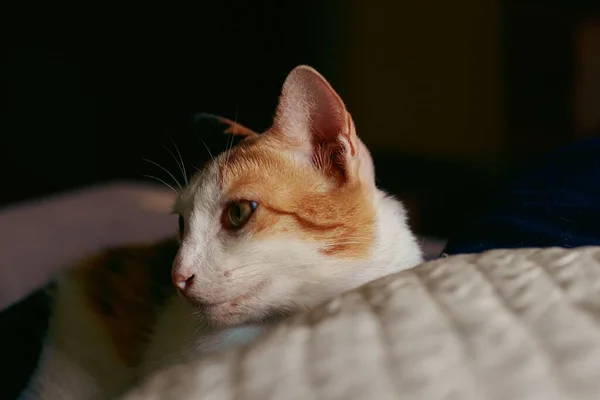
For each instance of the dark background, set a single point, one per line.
(90, 90)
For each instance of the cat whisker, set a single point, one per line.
(182, 167)
(230, 142)
(163, 182)
(207, 149)
(177, 162)
(200, 315)
(227, 153)
(299, 264)
(200, 170)
(164, 169)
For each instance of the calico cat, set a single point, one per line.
(272, 226)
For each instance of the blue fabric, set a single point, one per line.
(556, 202)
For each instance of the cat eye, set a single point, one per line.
(181, 226)
(238, 213)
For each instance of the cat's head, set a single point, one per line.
(286, 218)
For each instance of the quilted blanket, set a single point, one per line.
(504, 324)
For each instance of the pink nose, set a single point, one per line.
(183, 281)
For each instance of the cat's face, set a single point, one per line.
(283, 220)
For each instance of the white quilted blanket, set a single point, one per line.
(506, 324)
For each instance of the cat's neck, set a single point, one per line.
(395, 247)
(395, 242)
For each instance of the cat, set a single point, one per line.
(272, 226)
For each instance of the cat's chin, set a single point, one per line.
(226, 315)
(223, 315)
(238, 310)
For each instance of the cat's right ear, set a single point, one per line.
(314, 119)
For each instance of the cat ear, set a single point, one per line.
(217, 134)
(223, 125)
(314, 116)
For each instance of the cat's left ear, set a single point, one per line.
(314, 117)
(217, 134)
(223, 125)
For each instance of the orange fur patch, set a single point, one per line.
(308, 204)
(125, 287)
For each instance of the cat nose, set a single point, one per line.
(183, 281)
